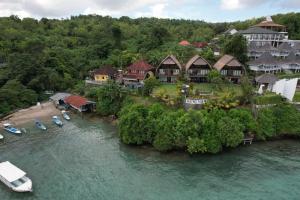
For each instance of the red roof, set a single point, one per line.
(76, 101)
(200, 44)
(141, 66)
(184, 43)
(134, 76)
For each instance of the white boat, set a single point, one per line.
(8, 127)
(1, 137)
(65, 115)
(56, 120)
(14, 178)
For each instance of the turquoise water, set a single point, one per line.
(85, 160)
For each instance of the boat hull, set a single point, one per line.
(26, 187)
(17, 132)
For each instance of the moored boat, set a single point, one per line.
(8, 127)
(57, 121)
(1, 137)
(40, 125)
(65, 115)
(14, 178)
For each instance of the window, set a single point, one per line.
(204, 72)
(161, 71)
(237, 72)
(176, 72)
(224, 72)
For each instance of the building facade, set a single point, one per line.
(197, 69)
(230, 68)
(169, 70)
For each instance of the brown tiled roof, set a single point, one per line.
(140, 65)
(106, 70)
(227, 60)
(267, 23)
(171, 60)
(197, 60)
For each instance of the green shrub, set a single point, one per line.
(265, 124)
(196, 145)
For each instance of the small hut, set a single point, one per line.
(268, 80)
(80, 104)
(169, 69)
(231, 68)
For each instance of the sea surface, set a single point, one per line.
(85, 160)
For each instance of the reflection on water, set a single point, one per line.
(85, 160)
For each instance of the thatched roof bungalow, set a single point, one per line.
(197, 69)
(231, 68)
(169, 69)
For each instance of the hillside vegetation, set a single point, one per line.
(51, 54)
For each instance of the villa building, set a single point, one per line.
(266, 32)
(197, 69)
(284, 50)
(138, 72)
(169, 69)
(231, 68)
(255, 52)
(291, 63)
(266, 63)
(105, 73)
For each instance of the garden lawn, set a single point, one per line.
(171, 90)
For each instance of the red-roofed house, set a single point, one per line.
(80, 103)
(138, 72)
(184, 43)
(200, 45)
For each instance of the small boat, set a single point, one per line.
(1, 137)
(65, 115)
(8, 127)
(14, 178)
(57, 121)
(40, 125)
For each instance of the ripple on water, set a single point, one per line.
(85, 160)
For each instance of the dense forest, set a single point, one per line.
(52, 54)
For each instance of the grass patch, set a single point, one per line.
(297, 97)
(283, 75)
(171, 90)
(268, 98)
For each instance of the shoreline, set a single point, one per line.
(42, 112)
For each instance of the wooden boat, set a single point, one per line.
(65, 115)
(14, 178)
(57, 121)
(40, 125)
(9, 128)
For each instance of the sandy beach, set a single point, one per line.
(43, 112)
